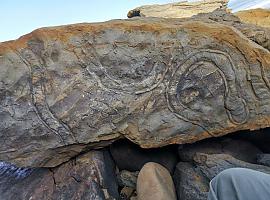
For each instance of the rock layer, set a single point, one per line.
(259, 17)
(258, 34)
(64, 90)
(177, 10)
(257, 28)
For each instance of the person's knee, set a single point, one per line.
(236, 182)
(228, 175)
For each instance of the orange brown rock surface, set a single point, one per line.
(259, 17)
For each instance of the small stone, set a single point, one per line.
(263, 159)
(155, 183)
(127, 178)
(126, 192)
(134, 198)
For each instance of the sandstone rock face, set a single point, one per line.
(260, 17)
(258, 34)
(155, 183)
(88, 177)
(257, 30)
(64, 90)
(177, 10)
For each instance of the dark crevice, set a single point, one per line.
(54, 181)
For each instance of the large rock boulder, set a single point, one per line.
(90, 176)
(177, 10)
(64, 90)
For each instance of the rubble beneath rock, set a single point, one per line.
(127, 179)
(202, 161)
(94, 174)
(88, 176)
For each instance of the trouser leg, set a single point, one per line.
(240, 184)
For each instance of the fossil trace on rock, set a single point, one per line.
(64, 90)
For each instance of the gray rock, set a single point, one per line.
(192, 179)
(263, 159)
(190, 182)
(240, 149)
(127, 179)
(212, 165)
(90, 176)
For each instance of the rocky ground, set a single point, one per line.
(102, 111)
(124, 168)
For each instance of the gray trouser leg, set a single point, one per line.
(240, 184)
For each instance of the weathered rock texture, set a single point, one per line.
(190, 182)
(88, 177)
(154, 81)
(177, 10)
(257, 30)
(258, 34)
(260, 17)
